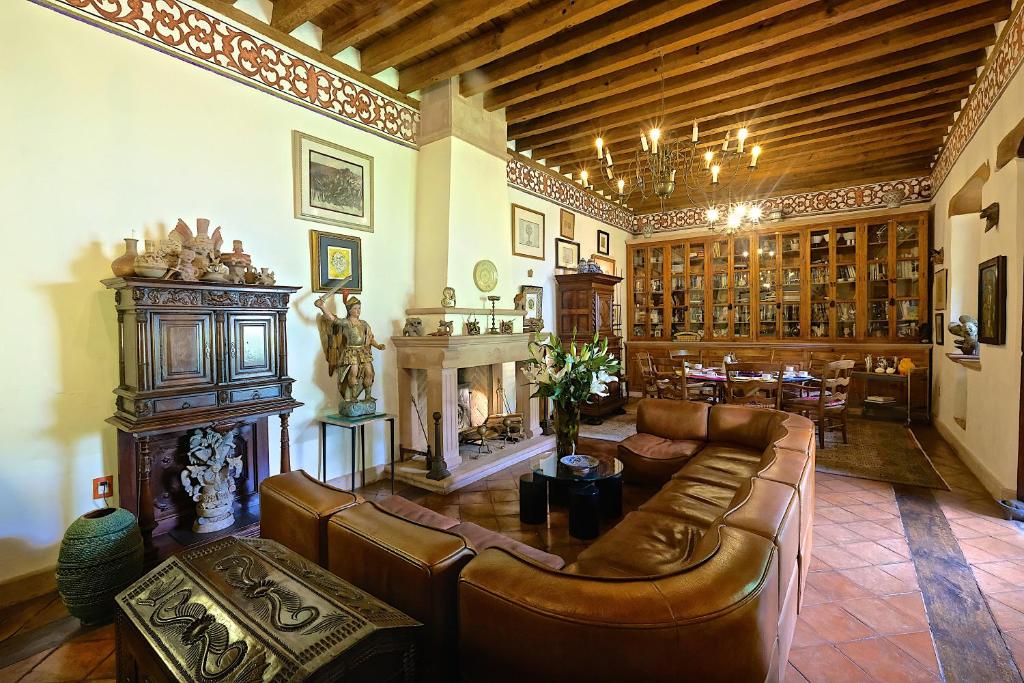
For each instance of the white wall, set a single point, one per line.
(989, 444)
(103, 136)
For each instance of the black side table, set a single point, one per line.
(591, 495)
(354, 425)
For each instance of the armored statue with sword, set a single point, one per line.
(348, 344)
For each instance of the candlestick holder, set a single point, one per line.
(494, 325)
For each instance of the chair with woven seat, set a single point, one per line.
(745, 384)
(648, 377)
(826, 405)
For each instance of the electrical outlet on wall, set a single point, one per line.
(103, 487)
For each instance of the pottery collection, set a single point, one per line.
(151, 263)
(124, 265)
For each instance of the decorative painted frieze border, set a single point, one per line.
(797, 205)
(548, 185)
(201, 38)
(1003, 63)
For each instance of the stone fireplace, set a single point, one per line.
(482, 375)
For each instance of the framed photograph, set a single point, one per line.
(335, 258)
(333, 184)
(567, 254)
(992, 301)
(941, 284)
(940, 328)
(531, 300)
(607, 264)
(567, 224)
(527, 232)
(603, 243)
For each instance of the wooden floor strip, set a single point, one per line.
(967, 640)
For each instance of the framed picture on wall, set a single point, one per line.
(940, 328)
(603, 243)
(531, 300)
(567, 224)
(992, 301)
(333, 184)
(527, 232)
(941, 284)
(335, 258)
(607, 264)
(567, 254)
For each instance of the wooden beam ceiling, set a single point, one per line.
(835, 91)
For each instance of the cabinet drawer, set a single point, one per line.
(169, 405)
(256, 394)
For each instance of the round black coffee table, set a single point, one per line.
(589, 495)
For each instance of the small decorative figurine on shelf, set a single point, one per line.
(506, 327)
(967, 330)
(209, 478)
(348, 345)
(445, 328)
(413, 327)
(472, 326)
(448, 297)
(266, 277)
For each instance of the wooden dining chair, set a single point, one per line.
(744, 384)
(648, 378)
(826, 405)
(682, 388)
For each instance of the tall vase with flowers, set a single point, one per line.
(569, 376)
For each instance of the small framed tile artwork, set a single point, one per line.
(334, 259)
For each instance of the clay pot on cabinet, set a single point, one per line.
(124, 265)
(151, 263)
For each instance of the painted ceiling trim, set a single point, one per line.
(822, 202)
(1002, 65)
(199, 37)
(548, 185)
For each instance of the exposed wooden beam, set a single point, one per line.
(776, 66)
(288, 15)
(776, 84)
(763, 120)
(613, 28)
(366, 19)
(722, 19)
(447, 21)
(515, 34)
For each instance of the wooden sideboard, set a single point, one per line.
(196, 355)
(583, 305)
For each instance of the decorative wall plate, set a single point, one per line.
(485, 275)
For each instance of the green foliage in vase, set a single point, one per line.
(570, 375)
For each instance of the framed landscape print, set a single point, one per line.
(333, 184)
(527, 232)
(567, 254)
(940, 329)
(941, 283)
(335, 258)
(567, 225)
(607, 264)
(992, 301)
(603, 243)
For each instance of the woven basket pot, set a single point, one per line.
(101, 554)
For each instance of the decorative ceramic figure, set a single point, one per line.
(348, 345)
(124, 265)
(266, 277)
(150, 263)
(236, 256)
(101, 554)
(448, 297)
(586, 266)
(186, 268)
(249, 276)
(967, 330)
(473, 327)
(506, 327)
(209, 478)
(236, 274)
(444, 329)
(880, 365)
(413, 327)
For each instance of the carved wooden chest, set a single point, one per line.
(251, 610)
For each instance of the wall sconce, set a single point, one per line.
(991, 215)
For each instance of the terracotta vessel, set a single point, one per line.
(151, 263)
(124, 265)
(236, 256)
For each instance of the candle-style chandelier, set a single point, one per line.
(713, 175)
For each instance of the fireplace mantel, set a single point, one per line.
(461, 351)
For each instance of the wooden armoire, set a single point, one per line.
(195, 355)
(583, 305)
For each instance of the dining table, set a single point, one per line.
(718, 378)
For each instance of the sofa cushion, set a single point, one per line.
(481, 539)
(406, 509)
(650, 459)
(698, 503)
(675, 420)
(741, 425)
(643, 544)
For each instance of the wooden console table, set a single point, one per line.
(195, 355)
(871, 377)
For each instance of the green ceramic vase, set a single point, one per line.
(101, 554)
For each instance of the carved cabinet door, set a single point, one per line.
(182, 350)
(252, 346)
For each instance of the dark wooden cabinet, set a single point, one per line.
(196, 355)
(583, 306)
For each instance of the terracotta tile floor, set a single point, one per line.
(864, 618)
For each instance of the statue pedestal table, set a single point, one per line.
(356, 425)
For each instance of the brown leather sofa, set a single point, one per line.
(702, 583)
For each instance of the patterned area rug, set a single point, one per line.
(879, 450)
(614, 428)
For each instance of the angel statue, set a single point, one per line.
(347, 344)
